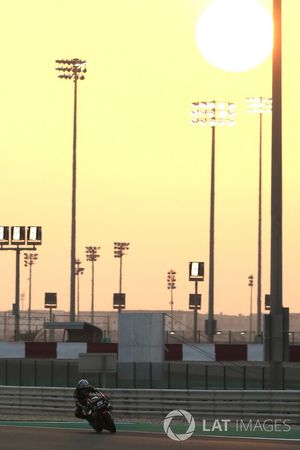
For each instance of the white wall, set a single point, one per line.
(141, 337)
(255, 352)
(70, 350)
(12, 350)
(198, 352)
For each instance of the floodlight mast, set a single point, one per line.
(250, 283)
(259, 105)
(171, 280)
(14, 242)
(74, 69)
(119, 252)
(29, 260)
(78, 271)
(92, 255)
(213, 114)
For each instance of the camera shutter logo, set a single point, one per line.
(179, 413)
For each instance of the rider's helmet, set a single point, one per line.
(83, 385)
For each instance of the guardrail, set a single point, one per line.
(44, 403)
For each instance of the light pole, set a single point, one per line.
(196, 273)
(22, 297)
(92, 255)
(74, 69)
(250, 283)
(29, 260)
(171, 285)
(259, 105)
(278, 319)
(78, 271)
(119, 252)
(213, 114)
(13, 239)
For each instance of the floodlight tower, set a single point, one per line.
(78, 271)
(119, 252)
(250, 283)
(13, 239)
(259, 105)
(213, 114)
(171, 279)
(29, 260)
(74, 69)
(92, 255)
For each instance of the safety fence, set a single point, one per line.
(35, 329)
(167, 375)
(57, 403)
(182, 330)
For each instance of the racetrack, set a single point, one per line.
(27, 438)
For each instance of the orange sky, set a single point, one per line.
(143, 170)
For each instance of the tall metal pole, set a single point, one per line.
(250, 283)
(119, 252)
(211, 241)
(259, 328)
(51, 331)
(74, 69)
(17, 300)
(29, 298)
(92, 255)
(260, 105)
(22, 298)
(251, 289)
(195, 314)
(78, 271)
(5, 325)
(276, 315)
(120, 281)
(29, 260)
(172, 310)
(92, 305)
(212, 113)
(171, 280)
(78, 297)
(73, 219)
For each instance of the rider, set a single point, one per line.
(81, 395)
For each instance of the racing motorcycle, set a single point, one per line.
(98, 413)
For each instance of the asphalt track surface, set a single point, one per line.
(26, 438)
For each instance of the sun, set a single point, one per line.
(235, 35)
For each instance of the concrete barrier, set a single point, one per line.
(46, 403)
(12, 350)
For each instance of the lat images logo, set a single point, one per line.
(179, 413)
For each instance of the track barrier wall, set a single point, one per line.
(166, 375)
(36, 403)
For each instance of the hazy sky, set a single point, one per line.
(143, 170)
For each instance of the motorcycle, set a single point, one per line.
(98, 413)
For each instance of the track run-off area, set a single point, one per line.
(132, 436)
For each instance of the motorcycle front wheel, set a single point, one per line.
(109, 423)
(96, 423)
